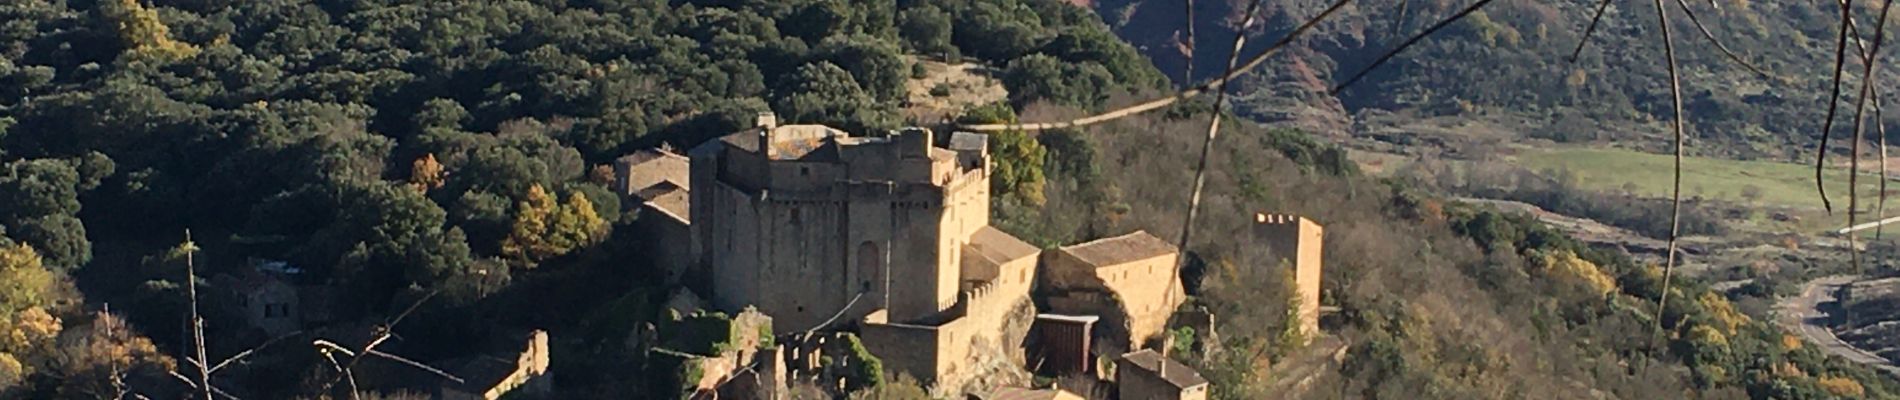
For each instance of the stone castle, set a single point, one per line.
(889, 236)
(812, 225)
(819, 229)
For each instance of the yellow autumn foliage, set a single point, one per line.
(1566, 265)
(1723, 311)
(1790, 342)
(544, 228)
(1708, 336)
(24, 282)
(11, 371)
(1841, 386)
(144, 34)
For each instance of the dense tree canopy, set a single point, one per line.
(391, 148)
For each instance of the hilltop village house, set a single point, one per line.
(889, 236)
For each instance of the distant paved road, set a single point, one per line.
(1803, 314)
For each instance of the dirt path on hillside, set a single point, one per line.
(1804, 313)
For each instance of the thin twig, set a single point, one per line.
(1866, 82)
(194, 385)
(834, 317)
(1398, 20)
(1880, 128)
(1408, 44)
(1675, 197)
(392, 357)
(1719, 46)
(1187, 47)
(1207, 148)
(1151, 105)
(247, 352)
(1601, 7)
(381, 334)
(197, 321)
(1833, 101)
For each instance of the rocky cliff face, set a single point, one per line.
(998, 364)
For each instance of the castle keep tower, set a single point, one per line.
(1295, 241)
(804, 221)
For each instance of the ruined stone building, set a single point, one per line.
(818, 228)
(275, 298)
(1147, 375)
(1296, 242)
(1128, 280)
(524, 370)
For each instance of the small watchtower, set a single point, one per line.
(1296, 241)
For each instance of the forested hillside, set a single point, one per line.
(1510, 60)
(453, 155)
(397, 148)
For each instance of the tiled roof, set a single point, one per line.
(1120, 249)
(1179, 375)
(999, 247)
(790, 142)
(968, 141)
(646, 168)
(676, 202)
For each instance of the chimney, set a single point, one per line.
(767, 122)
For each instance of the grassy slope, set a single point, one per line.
(1781, 184)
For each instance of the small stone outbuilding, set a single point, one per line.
(1146, 375)
(1128, 280)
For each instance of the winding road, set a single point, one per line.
(1804, 314)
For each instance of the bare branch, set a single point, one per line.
(1880, 127)
(381, 333)
(1675, 197)
(1860, 105)
(1398, 20)
(1207, 147)
(1408, 44)
(197, 321)
(834, 317)
(1719, 46)
(1197, 90)
(247, 352)
(1833, 102)
(416, 365)
(1601, 7)
(1187, 47)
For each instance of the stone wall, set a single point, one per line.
(831, 228)
(973, 338)
(1137, 295)
(669, 240)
